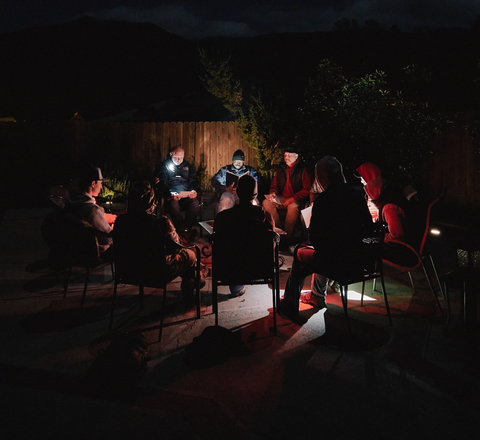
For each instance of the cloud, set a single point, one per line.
(243, 18)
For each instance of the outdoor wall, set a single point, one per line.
(143, 145)
(35, 156)
(453, 170)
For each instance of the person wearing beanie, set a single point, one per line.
(332, 237)
(240, 224)
(289, 192)
(224, 181)
(151, 231)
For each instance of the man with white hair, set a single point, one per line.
(177, 181)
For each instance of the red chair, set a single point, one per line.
(411, 257)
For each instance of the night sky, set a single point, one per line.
(196, 18)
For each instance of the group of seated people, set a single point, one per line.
(339, 210)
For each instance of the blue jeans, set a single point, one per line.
(234, 289)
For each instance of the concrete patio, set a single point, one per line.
(312, 380)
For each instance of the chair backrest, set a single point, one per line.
(70, 240)
(364, 259)
(418, 223)
(139, 251)
(428, 219)
(246, 258)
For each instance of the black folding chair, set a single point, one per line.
(363, 264)
(140, 260)
(259, 265)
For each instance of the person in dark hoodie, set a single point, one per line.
(338, 215)
(81, 203)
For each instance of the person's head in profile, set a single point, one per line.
(329, 171)
(141, 198)
(246, 188)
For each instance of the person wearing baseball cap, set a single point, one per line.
(289, 192)
(82, 204)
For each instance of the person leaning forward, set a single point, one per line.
(289, 192)
(333, 237)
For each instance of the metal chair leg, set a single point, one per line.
(386, 300)
(411, 281)
(343, 294)
(431, 288)
(215, 300)
(162, 313)
(113, 306)
(87, 276)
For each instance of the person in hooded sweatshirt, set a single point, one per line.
(81, 203)
(391, 203)
(339, 214)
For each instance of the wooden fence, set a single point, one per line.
(35, 156)
(141, 146)
(453, 169)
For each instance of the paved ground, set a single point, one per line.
(310, 381)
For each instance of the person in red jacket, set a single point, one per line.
(289, 192)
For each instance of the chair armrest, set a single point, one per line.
(409, 248)
(193, 246)
(300, 246)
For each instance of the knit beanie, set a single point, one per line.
(238, 155)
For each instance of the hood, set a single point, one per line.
(374, 188)
(328, 171)
(369, 171)
(77, 197)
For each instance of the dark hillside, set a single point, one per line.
(100, 68)
(93, 67)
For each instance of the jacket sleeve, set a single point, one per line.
(394, 216)
(219, 179)
(253, 172)
(306, 185)
(192, 178)
(99, 222)
(274, 184)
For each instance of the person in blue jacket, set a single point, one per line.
(177, 181)
(227, 194)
